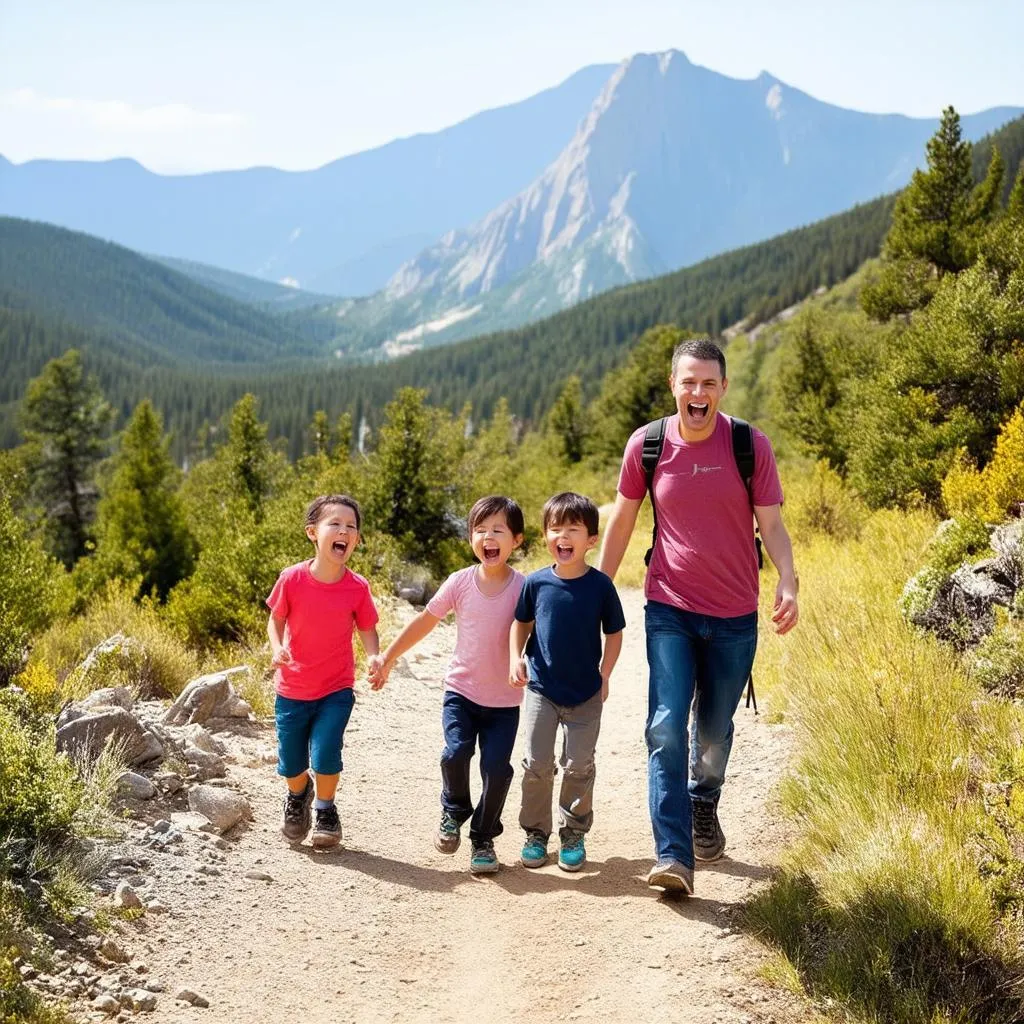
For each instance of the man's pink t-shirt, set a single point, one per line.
(704, 560)
(320, 618)
(479, 667)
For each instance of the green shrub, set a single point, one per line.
(39, 790)
(167, 665)
(998, 661)
(33, 591)
(819, 503)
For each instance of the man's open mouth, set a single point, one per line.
(697, 410)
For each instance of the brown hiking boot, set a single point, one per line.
(297, 816)
(708, 837)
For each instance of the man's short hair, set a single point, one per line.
(315, 512)
(570, 507)
(698, 348)
(495, 504)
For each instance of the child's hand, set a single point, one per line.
(518, 675)
(282, 656)
(379, 671)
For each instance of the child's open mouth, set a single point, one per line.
(563, 552)
(492, 552)
(340, 547)
(697, 411)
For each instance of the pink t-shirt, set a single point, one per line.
(704, 560)
(479, 667)
(320, 619)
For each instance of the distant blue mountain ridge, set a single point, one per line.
(343, 228)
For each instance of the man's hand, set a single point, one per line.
(518, 675)
(378, 670)
(282, 656)
(604, 688)
(786, 613)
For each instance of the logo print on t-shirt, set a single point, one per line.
(704, 469)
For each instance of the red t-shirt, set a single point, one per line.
(704, 560)
(320, 619)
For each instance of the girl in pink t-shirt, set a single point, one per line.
(479, 705)
(314, 608)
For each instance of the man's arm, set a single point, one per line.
(612, 649)
(780, 551)
(517, 637)
(617, 533)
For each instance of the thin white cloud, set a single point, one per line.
(116, 116)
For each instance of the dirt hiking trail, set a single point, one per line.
(387, 929)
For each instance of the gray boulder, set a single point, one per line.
(210, 696)
(136, 786)
(223, 807)
(87, 734)
(1008, 543)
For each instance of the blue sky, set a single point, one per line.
(187, 85)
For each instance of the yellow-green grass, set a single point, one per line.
(899, 899)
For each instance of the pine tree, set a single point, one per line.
(414, 473)
(935, 224)
(249, 454)
(141, 519)
(65, 420)
(320, 434)
(567, 420)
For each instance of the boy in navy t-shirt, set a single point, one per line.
(559, 618)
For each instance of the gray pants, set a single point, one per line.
(580, 726)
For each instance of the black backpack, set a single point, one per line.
(742, 452)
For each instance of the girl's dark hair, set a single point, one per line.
(315, 512)
(494, 504)
(570, 507)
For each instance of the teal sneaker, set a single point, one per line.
(572, 856)
(535, 849)
(484, 861)
(448, 835)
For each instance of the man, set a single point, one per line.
(701, 589)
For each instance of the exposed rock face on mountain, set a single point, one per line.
(674, 163)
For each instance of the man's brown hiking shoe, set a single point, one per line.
(671, 876)
(708, 837)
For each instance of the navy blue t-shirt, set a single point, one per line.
(564, 649)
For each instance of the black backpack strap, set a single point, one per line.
(650, 453)
(743, 453)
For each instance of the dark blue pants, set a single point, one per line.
(465, 723)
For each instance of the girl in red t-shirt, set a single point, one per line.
(314, 608)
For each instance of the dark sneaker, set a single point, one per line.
(671, 876)
(327, 830)
(708, 837)
(484, 860)
(572, 855)
(448, 835)
(297, 814)
(535, 849)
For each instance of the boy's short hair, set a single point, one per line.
(495, 504)
(570, 507)
(315, 512)
(699, 348)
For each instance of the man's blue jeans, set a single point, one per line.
(704, 661)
